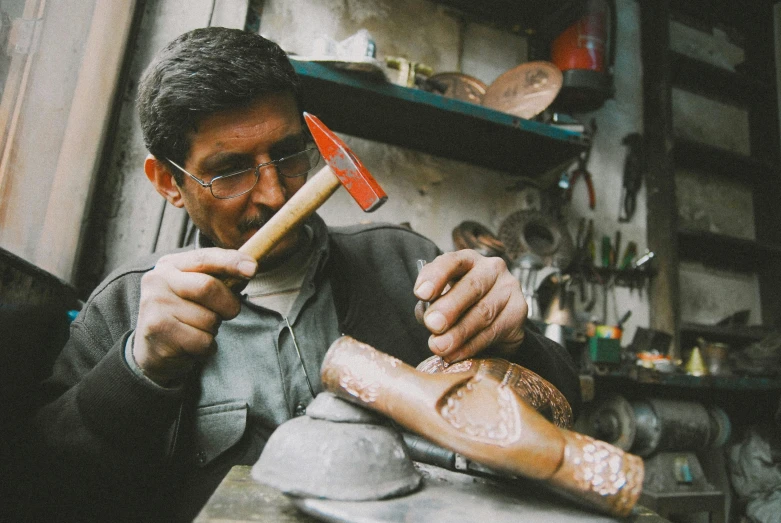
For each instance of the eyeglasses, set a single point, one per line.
(235, 184)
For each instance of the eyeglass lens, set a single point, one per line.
(291, 167)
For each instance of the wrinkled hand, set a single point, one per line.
(182, 306)
(475, 303)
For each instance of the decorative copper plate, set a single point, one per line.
(525, 90)
(460, 86)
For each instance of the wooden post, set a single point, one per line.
(662, 218)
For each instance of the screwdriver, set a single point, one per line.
(606, 251)
(629, 255)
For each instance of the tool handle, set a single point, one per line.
(298, 208)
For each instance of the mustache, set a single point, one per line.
(255, 222)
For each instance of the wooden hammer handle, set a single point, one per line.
(298, 208)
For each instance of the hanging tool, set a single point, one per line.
(616, 250)
(582, 171)
(581, 255)
(591, 250)
(606, 251)
(589, 241)
(634, 166)
(568, 180)
(626, 263)
(641, 264)
(629, 255)
(644, 260)
(624, 318)
(343, 169)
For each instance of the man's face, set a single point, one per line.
(239, 139)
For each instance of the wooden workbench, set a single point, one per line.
(239, 498)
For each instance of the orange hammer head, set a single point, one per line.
(346, 166)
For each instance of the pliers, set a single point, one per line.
(582, 171)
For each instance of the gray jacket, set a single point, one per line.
(119, 446)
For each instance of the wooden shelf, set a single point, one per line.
(736, 336)
(721, 162)
(363, 106)
(717, 83)
(728, 383)
(727, 252)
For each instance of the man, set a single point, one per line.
(169, 378)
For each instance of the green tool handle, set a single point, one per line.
(629, 255)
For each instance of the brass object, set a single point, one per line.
(407, 70)
(533, 388)
(460, 86)
(477, 414)
(716, 358)
(695, 365)
(525, 90)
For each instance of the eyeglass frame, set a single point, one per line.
(256, 169)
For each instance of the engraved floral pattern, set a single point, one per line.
(357, 369)
(504, 428)
(606, 471)
(535, 390)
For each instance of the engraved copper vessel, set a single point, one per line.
(481, 417)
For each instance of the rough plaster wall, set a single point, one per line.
(505, 49)
(412, 29)
(433, 194)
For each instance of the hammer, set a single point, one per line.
(343, 169)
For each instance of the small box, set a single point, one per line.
(604, 350)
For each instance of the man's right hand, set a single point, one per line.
(182, 306)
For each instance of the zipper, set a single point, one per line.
(300, 359)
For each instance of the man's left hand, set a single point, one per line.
(475, 303)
